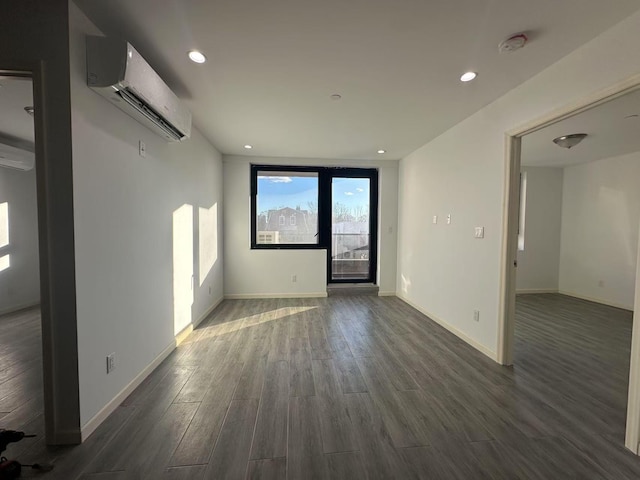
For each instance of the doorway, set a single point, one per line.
(59, 381)
(352, 255)
(21, 375)
(510, 246)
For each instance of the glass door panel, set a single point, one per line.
(350, 229)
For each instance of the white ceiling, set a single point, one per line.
(15, 94)
(273, 65)
(610, 133)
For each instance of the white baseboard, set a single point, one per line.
(17, 308)
(241, 296)
(387, 294)
(110, 407)
(527, 291)
(596, 300)
(458, 333)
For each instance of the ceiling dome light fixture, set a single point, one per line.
(335, 96)
(248, 147)
(467, 77)
(381, 151)
(197, 57)
(568, 141)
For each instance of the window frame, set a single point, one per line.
(325, 177)
(322, 241)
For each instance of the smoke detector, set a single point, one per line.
(514, 42)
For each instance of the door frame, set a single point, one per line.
(509, 248)
(350, 172)
(54, 182)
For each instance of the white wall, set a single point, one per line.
(539, 262)
(142, 227)
(268, 272)
(442, 269)
(600, 217)
(20, 282)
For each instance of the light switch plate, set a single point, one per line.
(479, 233)
(435, 219)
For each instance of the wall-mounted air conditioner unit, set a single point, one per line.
(119, 73)
(17, 158)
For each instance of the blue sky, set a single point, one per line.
(280, 191)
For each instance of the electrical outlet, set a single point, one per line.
(476, 315)
(111, 362)
(449, 219)
(294, 278)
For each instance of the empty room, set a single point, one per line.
(279, 241)
(577, 262)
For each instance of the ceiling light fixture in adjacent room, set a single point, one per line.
(248, 147)
(568, 141)
(467, 77)
(197, 57)
(381, 151)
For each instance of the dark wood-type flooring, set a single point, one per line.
(354, 388)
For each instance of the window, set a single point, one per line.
(523, 210)
(279, 194)
(331, 208)
(5, 259)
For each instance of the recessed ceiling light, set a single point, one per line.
(467, 77)
(335, 96)
(197, 57)
(248, 147)
(382, 151)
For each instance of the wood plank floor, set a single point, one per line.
(354, 388)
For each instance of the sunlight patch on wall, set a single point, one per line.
(4, 224)
(208, 240)
(405, 284)
(5, 262)
(182, 267)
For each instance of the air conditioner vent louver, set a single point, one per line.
(133, 100)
